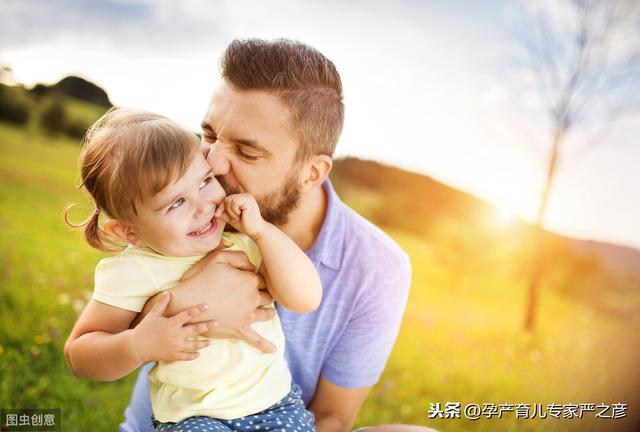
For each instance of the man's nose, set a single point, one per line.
(219, 160)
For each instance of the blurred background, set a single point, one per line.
(496, 141)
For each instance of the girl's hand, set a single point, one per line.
(157, 338)
(241, 212)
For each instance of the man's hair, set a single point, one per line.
(306, 82)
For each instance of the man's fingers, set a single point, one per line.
(159, 307)
(255, 340)
(186, 315)
(195, 345)
(235, 259)
(187, 356)
(264, 314)
(199, 328)
(265, 298)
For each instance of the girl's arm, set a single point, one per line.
(290, 276)
(102, 347)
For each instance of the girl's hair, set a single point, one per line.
(127, 157)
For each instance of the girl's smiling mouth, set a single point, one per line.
(206, 229)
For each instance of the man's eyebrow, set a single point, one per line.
(235, 140)
(249, 143)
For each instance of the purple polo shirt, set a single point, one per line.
(347, 340)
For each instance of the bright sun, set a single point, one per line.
(505, 216)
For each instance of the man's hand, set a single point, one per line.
(236, 297)
(165, 339)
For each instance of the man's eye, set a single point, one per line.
(209, 138)
(247, 156)
(206, 182)
(177, 203)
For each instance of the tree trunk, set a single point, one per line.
(538, 249)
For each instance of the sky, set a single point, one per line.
(437, 87)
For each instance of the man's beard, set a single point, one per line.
(275, 206)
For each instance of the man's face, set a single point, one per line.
(253, 149)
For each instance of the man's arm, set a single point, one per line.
(335, 407)
(235, 295)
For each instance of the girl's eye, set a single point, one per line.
(177, 203)
(206, 182)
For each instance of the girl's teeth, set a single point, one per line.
(203, 229)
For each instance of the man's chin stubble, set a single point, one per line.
(276, 206)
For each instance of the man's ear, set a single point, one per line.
(122, 232)
(315, 171)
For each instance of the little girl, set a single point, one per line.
(150, 180)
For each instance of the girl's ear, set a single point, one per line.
(122, 232)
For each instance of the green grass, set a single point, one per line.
(458, 343)
(45, 279)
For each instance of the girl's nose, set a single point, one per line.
(202, 208)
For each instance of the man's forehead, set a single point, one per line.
(249, 114)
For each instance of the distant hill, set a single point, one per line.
(418, 204)
(68, 107)
(618, 258)
(78, 88)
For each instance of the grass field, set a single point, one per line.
(456, 345)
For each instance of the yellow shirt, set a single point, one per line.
(230, 379)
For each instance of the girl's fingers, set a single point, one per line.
(232, 207)
(236, 207)
(230, 211)
(224, 216)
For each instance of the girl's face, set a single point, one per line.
(178, 220)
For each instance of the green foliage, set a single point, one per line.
(14, 105)
(54, 117)
(48, 109)
(83, 90)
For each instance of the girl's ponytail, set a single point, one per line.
(94, 235)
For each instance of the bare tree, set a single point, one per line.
(585, 55)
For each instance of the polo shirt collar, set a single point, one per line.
(328, 246)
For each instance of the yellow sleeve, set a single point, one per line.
(123, 282)
(243, 243)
